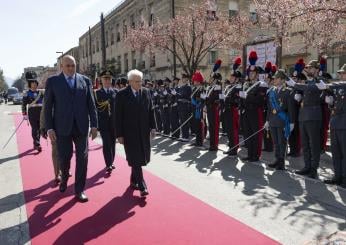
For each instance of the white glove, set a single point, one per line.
(291, 83)
(222, 96)
(25, 117)
(242, 94)
(266, 125)
(329, 100)
(155, 94)
(298, 97)
(203, 96)
(291, 127)
(174, 92)
(165, 92)
(321, 85)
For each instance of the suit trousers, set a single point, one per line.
(65, 151)
(311, 141)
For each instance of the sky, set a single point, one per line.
(33, 31)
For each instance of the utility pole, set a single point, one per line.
(103, 42)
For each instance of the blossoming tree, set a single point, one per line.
(191, 35)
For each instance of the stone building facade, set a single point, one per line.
(103, 44)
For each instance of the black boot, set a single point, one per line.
(274, 164)
(304, 171)
(281, 164)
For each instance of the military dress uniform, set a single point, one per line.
(280, 118)
(338, 132)
(184, 110)
(310, 123)
(198, 103)
(157, 110)
(105, 103)
(174, 115)
(253, 119)
(294, 140)
(231, 117)
(165, 108)
(32, 106)
(213, 104)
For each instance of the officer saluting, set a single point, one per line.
(310, 119)
(105, 103)
(31, 107)
(337, 102)
(280, 117)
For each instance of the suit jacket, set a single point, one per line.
(105, 103)
(65, 106)
(134, 122)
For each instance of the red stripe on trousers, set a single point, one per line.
(325, 125)
(260, 134)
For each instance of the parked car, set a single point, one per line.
(17, 99)
(12, 92)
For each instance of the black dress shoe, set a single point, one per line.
(254, 159)
(333, 181)
(304, 171)
(144, 193)
(81, 197)
(113, 166)
(280, 167)
(63, 186)
(109, 170)
(274, 164)
(246, 158)
(313, 175)
(230, 153)
(213, 149)
(134, 186)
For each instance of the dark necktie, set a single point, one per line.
(137, 97)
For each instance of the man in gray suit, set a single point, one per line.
(69, 107)
(337, 101)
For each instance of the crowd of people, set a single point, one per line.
(287, 114)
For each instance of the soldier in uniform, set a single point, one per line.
(213, 103)
(157, 107)
(310, 119)
(198, 101)
(105, 103)
(253, 100)
(337, 102)
(270, 69)
(280, 117)
(165, 106)
(231, 106)
(294, 141)
(326, 77)
(31, 108)
(174, 115)
(184, 107)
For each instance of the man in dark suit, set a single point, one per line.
(135, 124)
(105, 103)
(69, 106)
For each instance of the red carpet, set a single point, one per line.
(115, 214)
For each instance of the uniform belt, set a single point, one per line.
(175, 104)
(35, 105)
(165, 106)
(184, 101)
